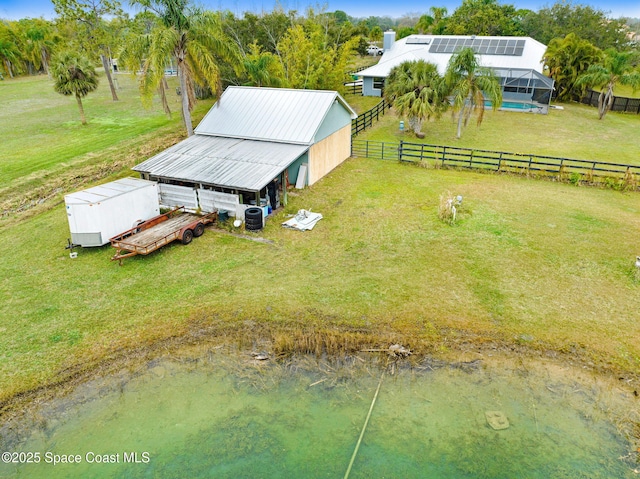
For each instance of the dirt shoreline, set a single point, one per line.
(330, 341)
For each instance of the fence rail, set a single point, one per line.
(365, 120)
(354, 87)
(568, 169)
(359, 69)
(628, 105)
(377, 150)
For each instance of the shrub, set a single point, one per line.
(450, 208)
(575, 178)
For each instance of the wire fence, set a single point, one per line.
(616, 175)
(627, 105)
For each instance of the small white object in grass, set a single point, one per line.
(459, 199)
(638, 262)
(237, 223)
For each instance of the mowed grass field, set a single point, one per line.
(574, 132)
(531, 263)
(43, 138)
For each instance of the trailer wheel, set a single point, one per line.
(187, 236)
(198, 230)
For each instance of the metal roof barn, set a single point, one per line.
(227, 162)
(251, 146)
(278, 115)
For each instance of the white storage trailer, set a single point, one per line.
(100, 213)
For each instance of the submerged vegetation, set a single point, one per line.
(539, 268)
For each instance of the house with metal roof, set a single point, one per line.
(517, 62)
(251, 145)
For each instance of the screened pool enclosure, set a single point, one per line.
(524, 90)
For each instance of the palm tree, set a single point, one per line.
(73, 74)
(617, 68)
(194, 39)
(38, 41)
(566, 59)
(9, 51)
(424, 23)
(439, 15)
(136, 55)
(469, 84)
(262, 68)
(87, 20)
(416, 90)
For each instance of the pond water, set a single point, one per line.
(231, 417)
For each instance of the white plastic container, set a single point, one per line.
(102, 212)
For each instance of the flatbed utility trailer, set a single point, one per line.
(160, 230)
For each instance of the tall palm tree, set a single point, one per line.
(616, 69)
(136, 55)
(416, 90)
(439, 15)
(86, 18)
(73, 74)
(194, 39)
(469, 84)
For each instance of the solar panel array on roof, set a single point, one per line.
(418, 41)
(483, 46)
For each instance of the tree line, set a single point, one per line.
(281, 48)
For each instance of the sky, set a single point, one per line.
(16, 9)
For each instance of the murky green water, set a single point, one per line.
(213, 418)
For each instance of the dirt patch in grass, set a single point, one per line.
(37, 193)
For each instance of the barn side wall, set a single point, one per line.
(325, 155)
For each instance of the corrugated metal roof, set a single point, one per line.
(227, 162)
(270, 114)
(401, 51)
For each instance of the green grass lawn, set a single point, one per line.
(531, 262)
(625, 91)
(574, 132)
(547, 264)
(42, 133)
(361, 103)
